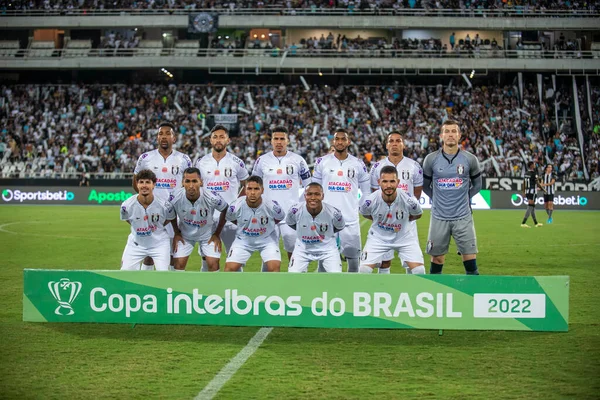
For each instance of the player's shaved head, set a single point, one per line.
(314, 185)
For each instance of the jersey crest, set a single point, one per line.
(460, 169)
(405, 174)
(228, 172)
(323, 227)
(264, 220)
(175, 169)
(155, 218)
(203, 212)
(289, 169)
(351, 173)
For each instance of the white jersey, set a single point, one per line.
(169, 171)
(281, 177)
(147, 224)
(224, 176)
(390, 221)
(341, 180)
(315, 233)
(196, 219)
(255, 224)
(410, 174)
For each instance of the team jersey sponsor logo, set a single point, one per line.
(218, 186)
(254, 232)
(165, 183)
(145, 231)
(403, 186)
(389, 227)
(217, 172)
(279, 171)
(195, 223)
(311, 239)
(339, 186)
(449, 183)
(280, 184)
(164, 169)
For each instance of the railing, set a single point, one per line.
(53, 54)
(482, 13)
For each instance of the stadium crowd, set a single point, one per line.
(53, 129)
(314, 5)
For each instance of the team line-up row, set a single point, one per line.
(217, 202)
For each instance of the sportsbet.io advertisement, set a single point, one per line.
(299, 300)
(102, 195)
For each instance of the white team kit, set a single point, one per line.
(148, 237)
(223, 177)
(410, 174)
(391, 228)
(341, 180)
(256, 230)
(196, 221)
(281, 181)
(168, 171)
(315, 237)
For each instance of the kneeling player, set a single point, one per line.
(316, 224)
(391, 210)
(195, 207)
(147, 216)
(256, 221)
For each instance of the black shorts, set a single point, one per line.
(548, 197)
(531, 196)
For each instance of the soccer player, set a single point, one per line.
(342, 175)
(147, 214)
(316, 224)
(283, 172)
(256, 219)
(224, 174)
(451, 177)
(391, 211)
(410, 179)
(168, 166)
(530, 189)
(195, 208)
(548, 184)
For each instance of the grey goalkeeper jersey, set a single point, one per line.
(450, 177)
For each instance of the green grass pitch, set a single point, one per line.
(76, 361)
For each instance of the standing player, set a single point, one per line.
(530, 188)
(195, 208)
(410, 179)
(451, 177)
(168, 166)
(391, 211)
(549, 194)
(256, 219)
(342, 175)
(282, 171)
(147, 214)
(316, 224)
(224, 174)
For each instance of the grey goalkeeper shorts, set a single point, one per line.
(462, 230)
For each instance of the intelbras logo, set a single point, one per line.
(518, 200)
(9, 195)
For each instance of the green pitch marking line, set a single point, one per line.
(232, 366)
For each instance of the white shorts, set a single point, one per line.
(204, 249)
(240, 251)
(301, 258)
(390, 254)
(288, 235)
(375, 250)
(134, 254)
(350, 240)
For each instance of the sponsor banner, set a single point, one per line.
(516, 184)
(224, 119)
(299, 300)
(64, 195)
(562, 201)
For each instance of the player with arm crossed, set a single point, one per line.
(316, 224)
(451, 177)
(147, 215)
(410, 179)
(391, 211)
(256, 219)
(168, 166)
(223, 174)
(195, 207)
(282, 172)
